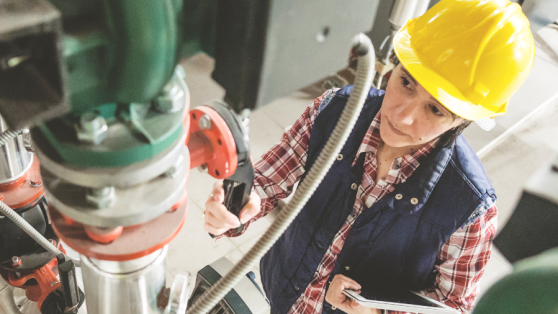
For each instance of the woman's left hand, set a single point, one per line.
(336, 298)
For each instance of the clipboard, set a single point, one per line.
(399, 300)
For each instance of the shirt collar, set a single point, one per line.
(408, 163)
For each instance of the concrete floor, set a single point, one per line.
(508, 165)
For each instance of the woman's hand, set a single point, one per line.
(336, 298)
(218, 219)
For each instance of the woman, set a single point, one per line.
(407, 204)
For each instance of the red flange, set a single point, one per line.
(24, 190)
(134, 242)
(45, 278)
(214, 146)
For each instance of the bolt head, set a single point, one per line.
(170, 100)
(92, 128)
(205, 122)
(16, 261)
(101, 197)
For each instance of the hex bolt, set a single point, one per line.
(16, 261)
(92, 128)
(205, 122)
(101, 197)
(171, 99)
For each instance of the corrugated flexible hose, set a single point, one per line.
(7, 135)
(365, 72)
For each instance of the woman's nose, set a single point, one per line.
(406, 113)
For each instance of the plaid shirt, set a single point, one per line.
(461, 260)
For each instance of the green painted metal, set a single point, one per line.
(119, 55)
(125, 51)
(531, 288)
(137, 133)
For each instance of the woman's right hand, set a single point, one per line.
(218, 219)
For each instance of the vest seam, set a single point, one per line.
(466, 179)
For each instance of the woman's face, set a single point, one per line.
(410, 115)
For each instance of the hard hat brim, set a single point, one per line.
(440, 88)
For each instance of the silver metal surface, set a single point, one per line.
(247, 291)
(7, 302)
(119, 177)
(124, 287)
(132, 205)
(205, 122)
(15, 160)
(171, 99)
(101, 197)
(178, 299)
(92, 128)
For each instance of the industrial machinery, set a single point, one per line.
(97, 85)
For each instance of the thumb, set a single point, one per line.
(251, 209)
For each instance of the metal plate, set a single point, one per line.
(133, 205)
(135, 242)
(282, 46)
(120, 177)
(33, 90)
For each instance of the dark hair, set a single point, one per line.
(446, 139)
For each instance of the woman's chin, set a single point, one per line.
(391, 139)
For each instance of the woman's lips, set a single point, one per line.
(394, 130)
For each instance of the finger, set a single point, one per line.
(348, 283)
(251, 209)
(219, 223)
(220, 212)
(213, 230)
(218, 193)
(352, 303)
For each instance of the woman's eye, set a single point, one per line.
(436, 111)
(405, 82)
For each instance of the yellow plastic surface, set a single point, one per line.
(470, 55)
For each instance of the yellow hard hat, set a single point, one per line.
(471, 55)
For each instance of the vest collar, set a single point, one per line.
(411, 195)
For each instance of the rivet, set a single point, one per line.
(340, 157)
(414, 201)
(354, 186)
(398, 196)
(333, 307)
(347, 268)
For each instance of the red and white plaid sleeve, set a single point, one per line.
(462, 261)
(282, 166)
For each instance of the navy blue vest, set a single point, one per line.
(392, 243)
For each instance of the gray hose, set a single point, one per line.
(25, 226)
(365, 72)
(7, 135)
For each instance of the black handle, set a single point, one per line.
(67, 271)
(239, 185)
(237, 190)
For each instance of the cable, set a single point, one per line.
(365, 72)
(7, 135)
(25, 226)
